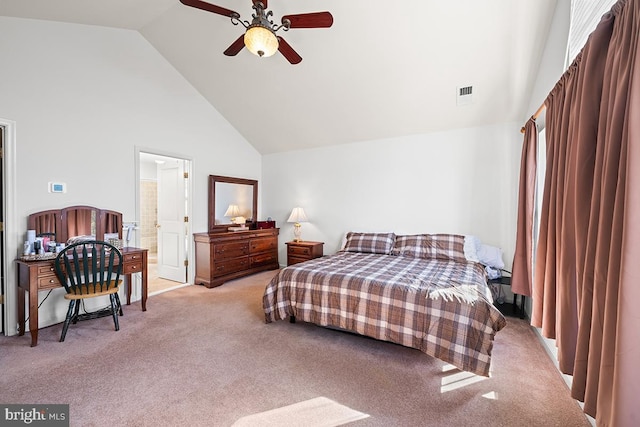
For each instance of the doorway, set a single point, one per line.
(2, 266)
(163, 228)
(9, 240)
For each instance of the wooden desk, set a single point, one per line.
(36, 276)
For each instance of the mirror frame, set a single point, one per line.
(213, 179)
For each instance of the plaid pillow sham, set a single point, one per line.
(447, 247)
(415, 246)
(375, 243)
(431, 246)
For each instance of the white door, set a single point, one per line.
(171, 221)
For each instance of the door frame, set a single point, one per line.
(12, 232)
(189, 169)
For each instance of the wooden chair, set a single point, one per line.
(90, 269)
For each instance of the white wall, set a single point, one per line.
(552, 64)
(82, 99)
(459, 181)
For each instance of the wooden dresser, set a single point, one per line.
(229, 255)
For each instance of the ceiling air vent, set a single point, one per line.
(464, 95)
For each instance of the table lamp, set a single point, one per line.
(297, 216)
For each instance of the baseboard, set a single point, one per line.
(550, 347)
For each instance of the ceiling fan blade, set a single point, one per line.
(210, 7)
(264, 2)
(287, 51)
(309, 20)
(235, 47)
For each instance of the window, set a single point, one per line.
(585, 16)
(541, 167)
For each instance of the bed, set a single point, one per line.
(420, 291)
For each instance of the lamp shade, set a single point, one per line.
(232, 211)
(261, 41)
(297, 215)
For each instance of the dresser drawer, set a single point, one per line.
(230, 266)
(264, 244)
(265, 258)
(298, 250)
(230, 250)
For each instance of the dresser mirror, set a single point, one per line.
(79, 221)
(74, 221)
(230, 201)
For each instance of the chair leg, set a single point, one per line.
(77, 312)
(72, 305)
(114, 311)
(119, 304)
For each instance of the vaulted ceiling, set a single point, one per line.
(384, 69)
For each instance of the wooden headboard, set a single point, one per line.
(76, 221)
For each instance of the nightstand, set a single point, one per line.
(303, 251)
(515, 309)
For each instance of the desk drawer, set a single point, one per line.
(132, 267)
(132, 258)
(48, 281)
(46, 269)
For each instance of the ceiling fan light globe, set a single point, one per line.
(261, 41)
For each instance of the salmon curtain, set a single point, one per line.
(587, 272)
(522, 261)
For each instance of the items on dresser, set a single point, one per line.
(224, 256)
(261, 225)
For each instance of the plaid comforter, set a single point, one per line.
(443, 308)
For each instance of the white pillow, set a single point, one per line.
(471, 246)
(491, 256)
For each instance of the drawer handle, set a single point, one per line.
(133, 267)
(134, 257)
(51, 280)
(50, 268)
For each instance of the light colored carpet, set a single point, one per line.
(206, 357)
(318, 412)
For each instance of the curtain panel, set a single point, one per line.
(587, 273)
(522, 257)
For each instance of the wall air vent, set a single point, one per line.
(464, 95)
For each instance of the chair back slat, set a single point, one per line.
(89, 267)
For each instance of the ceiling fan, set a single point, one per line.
(260, 36)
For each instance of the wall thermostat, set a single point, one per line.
(57, 187)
